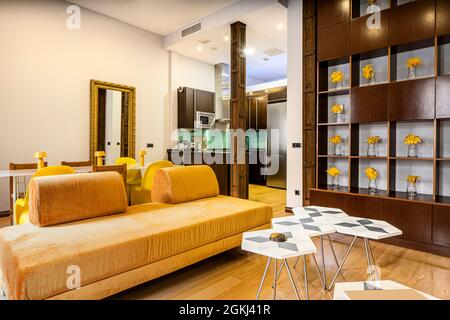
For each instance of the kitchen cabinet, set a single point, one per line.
(190, 101)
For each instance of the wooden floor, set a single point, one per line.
(236, 274)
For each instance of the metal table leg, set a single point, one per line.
(377, 275)
(324, 273)
(263, 278)
(305, 271)
(342, 263)
(318, 271)
(292, 279)
(274, 279)
(369, 262)
(332, 250)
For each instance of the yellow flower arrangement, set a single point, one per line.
(371, 173)
(336, 139)
(372, 2)
(333, 172)
(337, 77)
(413, 179)
(373, 140)
(412, 139)
(368, 71)
(337, 108)
(413, 62)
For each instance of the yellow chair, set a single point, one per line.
(21, 214)
(143, 193)
(134, 176)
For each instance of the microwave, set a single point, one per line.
(205, 120)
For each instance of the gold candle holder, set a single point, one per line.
(99, 155)
(40, 156)
(142, 155)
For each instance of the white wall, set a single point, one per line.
(187, 72)
(44, 81)
(294, 102)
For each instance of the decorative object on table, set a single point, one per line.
(412, 64)
(336, 141)
(368, 72)
(142, 155)
(40, 156)
(99, 155)
(278, 237)
(371, 142)
(411, 188)
(372, 175)
(412, 141)
(337, 78)
(338, 111)
(334, 173)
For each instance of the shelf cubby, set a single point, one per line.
(326, 68)
(325, 180)
(326, 101)
(443, 134)
(326, 132)
(360, 7)
(358, 176)
(362, 131)
(443, 181)
(400, 54)
(401, 169)
(423, 129)
(444, 55)
(379, 60)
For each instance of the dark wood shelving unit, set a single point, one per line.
(389, 107)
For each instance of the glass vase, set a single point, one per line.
(338, 149)
(411, 73)
(412, 151)
(335, 182)
(371, 152)
(372, 81)
(340, 118)
(337, 85)
(372, 186)
(411, 190)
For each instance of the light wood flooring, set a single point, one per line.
(236, 274)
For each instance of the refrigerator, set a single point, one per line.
(277, 120)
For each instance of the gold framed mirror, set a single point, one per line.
(112, 120)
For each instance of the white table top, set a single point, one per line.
(341, 287)
(319, 212)
(312, 227)
(365, 228)
(297, 244)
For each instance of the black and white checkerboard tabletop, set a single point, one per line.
(298, 243)
(365, 228)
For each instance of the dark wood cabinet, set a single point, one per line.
(332, 12)
(441, 225)
(369, 104)
(204, 101)
(412, 100)
(442, 17)
(415, 220)
(412, 22)
(364, 39)
(257, 113)
(333, 42)
(443, 97)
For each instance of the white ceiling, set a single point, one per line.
(263, 33)
(158, 16)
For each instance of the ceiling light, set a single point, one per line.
(250, 93)
(280, 26)
(227, 38)
(266, 91)
(199, 48)
(249, 51)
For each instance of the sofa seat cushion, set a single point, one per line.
(34, 260)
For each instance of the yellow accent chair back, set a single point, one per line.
(21, 206)
(143, 193)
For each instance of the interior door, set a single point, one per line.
(113, 127)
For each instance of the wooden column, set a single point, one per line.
(239, 112)
(309, 98)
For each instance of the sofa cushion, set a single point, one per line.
(66, 198)
(34, 261)
(183, 184)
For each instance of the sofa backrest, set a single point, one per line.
(184, 183)
(60, 199)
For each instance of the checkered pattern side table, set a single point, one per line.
(319, 212)
(297, 244)
(313, 227)
(367, 229)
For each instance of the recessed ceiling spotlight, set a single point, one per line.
(266, 58)
(249, 51)
(227, 38)
(250, 93)
(213, 48)
(266, 91)
(199, 48)
(280, 26)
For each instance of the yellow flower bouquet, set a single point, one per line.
(338, 111)
(372, 2)
(412, 141)
(372, 175)
(368, 72)
(371, 141)
(411, 189)
(336, 139)
(337, 77)
(334, 173)
(412, 64)
(413, 179)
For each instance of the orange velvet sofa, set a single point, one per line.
(83, 241)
